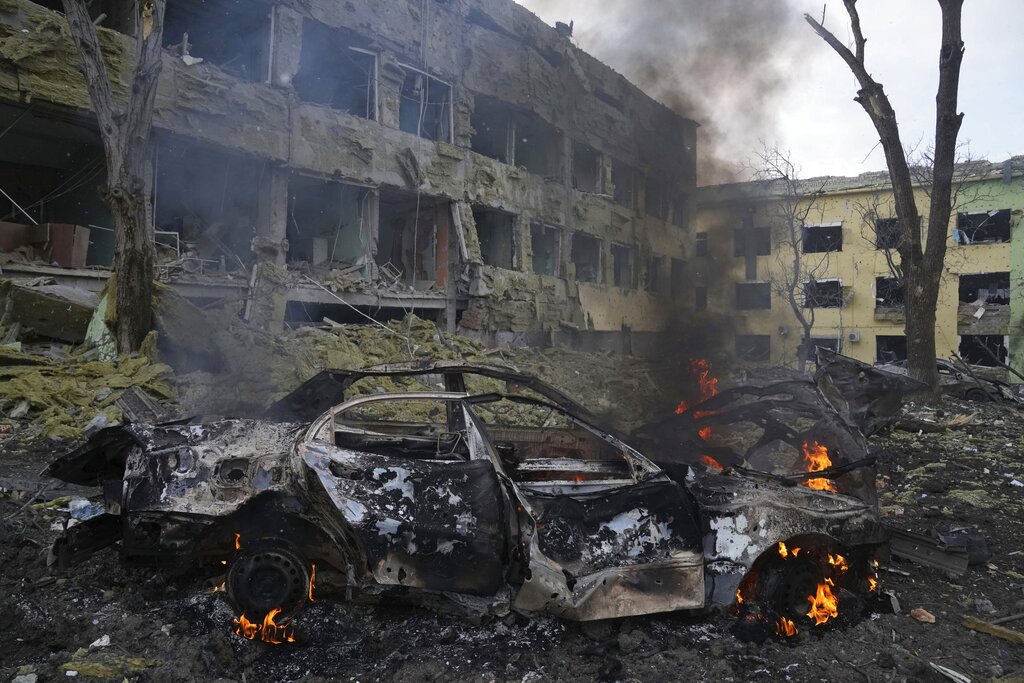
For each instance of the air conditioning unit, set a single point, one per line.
(854, 337)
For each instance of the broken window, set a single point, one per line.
(757, 241)
(328, 222)
(49, 171)
(678, 276)
(984, 349)
(988, 288)
(231, 34)
(656, 197)
(983, 227)
(753, 296)
(412, 242)
(622, 266)
(754, 348)
(538, 146)
(624, 183)
(426, 106)
(587, 169)
(700, 244)
(205, 195)
(492, 128)
(336, 69)
(819, 239)
(888, 293)
(700, 298)
(888, 233)
(890, 348)
(681, 211)
(546, 243)
(496, 231)
(653, 282)
(823, 294)
(586, 256)
(824, 342)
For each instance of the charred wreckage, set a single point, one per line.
(760, 499)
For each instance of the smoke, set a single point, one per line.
(725, 63)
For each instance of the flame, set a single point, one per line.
(838, 561)
(739, 597)
(872, 584)
(269, 631)
(708, 386)
(785, 627)
(816, 456)
(312, 580)
(221, 588)
(783, 551)
(795, 551)
(824, 605)
(238, 541)
(711, 462)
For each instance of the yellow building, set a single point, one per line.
(744, 258)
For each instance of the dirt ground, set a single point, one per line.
(162, 629)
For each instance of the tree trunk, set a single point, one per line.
(134, 265)
(127, 147)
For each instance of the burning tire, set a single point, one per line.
(801, 584)
(269, 575)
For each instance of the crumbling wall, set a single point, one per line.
(481, 47)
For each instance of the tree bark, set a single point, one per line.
(127, 147)
(921, 264)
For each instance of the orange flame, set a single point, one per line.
(838, 561)
(238, 541)
(269, 631)
(711, 462)
(312, 580)
(785, 627)
(872, 584)
(816, 456)
(824, 605)
(783, 551)
(739, 597)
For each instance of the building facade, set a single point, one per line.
(846, 243)
(456, 158)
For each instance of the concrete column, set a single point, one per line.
(287, 46)
(271, 243)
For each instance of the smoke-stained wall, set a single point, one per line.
(436, 60)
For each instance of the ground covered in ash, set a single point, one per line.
(107, 623)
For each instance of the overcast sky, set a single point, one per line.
(817, 120)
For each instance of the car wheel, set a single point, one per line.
(268, 575)
(977, 395)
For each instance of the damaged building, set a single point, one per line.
(462, 160)
(849, 244)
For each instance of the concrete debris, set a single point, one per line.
(50, 311)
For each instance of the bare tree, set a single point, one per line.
(794, 273)
(125, 129)
(921, 263)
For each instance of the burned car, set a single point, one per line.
(486, 490)
(971, 385)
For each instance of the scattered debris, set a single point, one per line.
(993, 630)
(922, 615)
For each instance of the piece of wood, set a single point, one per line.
(993, 630)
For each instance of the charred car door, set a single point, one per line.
(607, 533)
(421, 498)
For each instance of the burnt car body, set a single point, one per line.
(954, 381)
(486, 501)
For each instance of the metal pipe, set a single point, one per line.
(18, 207)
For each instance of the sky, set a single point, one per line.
(809, 110)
